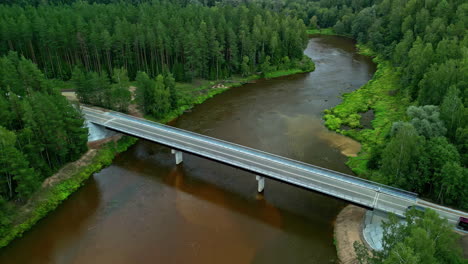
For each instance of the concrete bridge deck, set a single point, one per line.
(352, 189)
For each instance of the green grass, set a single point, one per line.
(47, 199)
(379, 94)
(60, 85)
(280, 73)
(198, 91)
(323, 31)
(326, 31)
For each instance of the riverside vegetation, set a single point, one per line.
(418, 94)
(418, 139)
(419, 136)
(54, 46)
(40, 131)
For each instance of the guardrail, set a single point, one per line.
(272, 157)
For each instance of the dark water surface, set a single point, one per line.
(144, 209)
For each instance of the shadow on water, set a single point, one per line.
(185, 178)
(58, 230)
(144, 209)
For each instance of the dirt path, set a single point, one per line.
(133, 107)
(347, 230)
(68, 170)
(70, 95)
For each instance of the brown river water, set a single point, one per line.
(145, 209)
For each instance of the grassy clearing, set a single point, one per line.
(379, 94)
(47, 199)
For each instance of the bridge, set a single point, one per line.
(355, 190)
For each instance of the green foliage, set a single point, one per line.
(190, 40)
(452, 185)
(183, 96)
(39, 132)
(153, 96)
(332, 122)
(453, 112)
(245, 68)
(170, 84)
(313, 22)
(48, 199)
(324, 31)
(421, 49)
(42, 129)
(430, 166)
(379, 95)
(15, 169)
(96, 89)
(419, 239)
(399, 158)
(426, 121)
(119, 96)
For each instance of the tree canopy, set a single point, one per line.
(156, 37)
(39, 131)
(421, 238)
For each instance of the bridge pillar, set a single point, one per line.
(261, 183)
(178, 156)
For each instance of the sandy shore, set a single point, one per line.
(347, 230)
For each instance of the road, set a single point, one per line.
(352, 189)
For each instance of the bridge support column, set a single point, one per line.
(261, 183)
(178, 156)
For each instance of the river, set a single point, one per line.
(144, 209)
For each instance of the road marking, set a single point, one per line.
(292, 179)
(159, 127)
(321, 189)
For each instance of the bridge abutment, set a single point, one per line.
(372, 229)
(97, 132)
(261, 183)
(178, 156)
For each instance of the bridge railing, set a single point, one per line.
(273, 157)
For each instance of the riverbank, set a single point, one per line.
(381, 98)
(198, 91)
(347, 231)
(59, 186)
(322, 31)
(380, 101)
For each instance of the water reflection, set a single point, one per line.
(144, 209)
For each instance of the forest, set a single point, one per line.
(154, 37)
(40, 131)
(98, 48)
(101, 46)
(426, 42)
(93, 44)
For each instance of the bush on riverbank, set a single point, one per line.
(379, 94)
(304, 65)
(422, 237)
(48, 198)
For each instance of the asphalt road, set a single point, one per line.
(346, 187)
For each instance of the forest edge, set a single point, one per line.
(73, 175)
